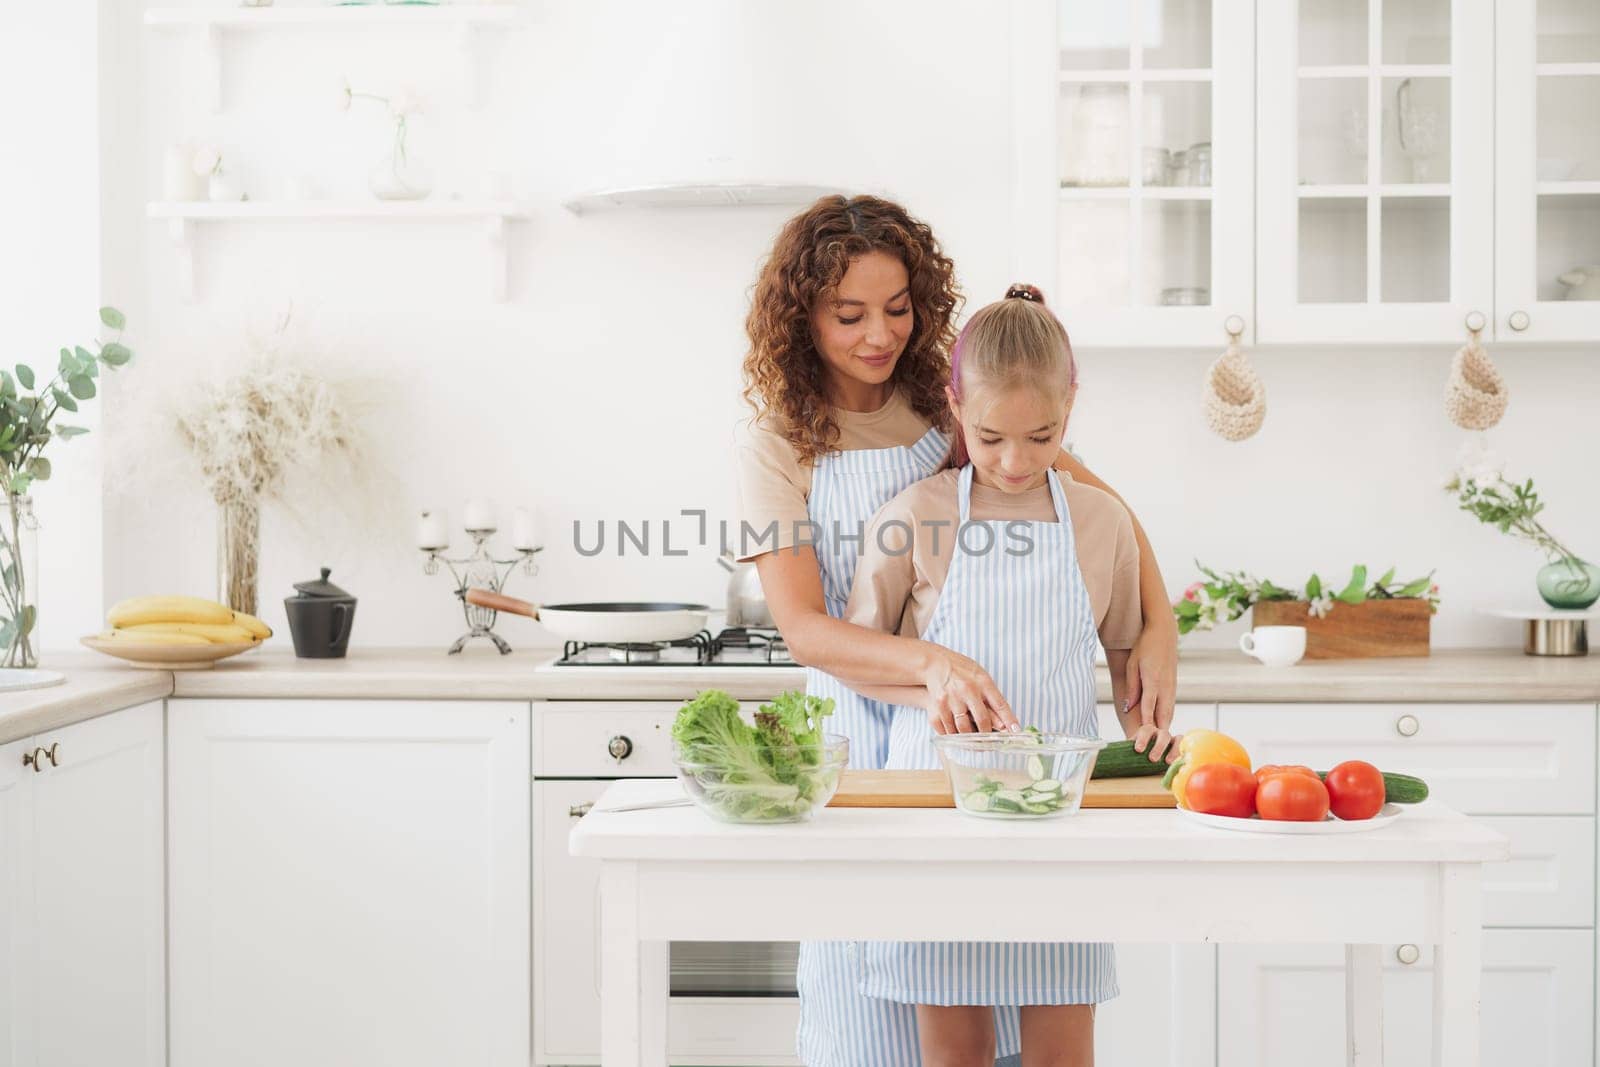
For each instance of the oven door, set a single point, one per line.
(732, 1003)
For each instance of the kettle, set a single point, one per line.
(320, 614)
(1583, 283)
(747, 603)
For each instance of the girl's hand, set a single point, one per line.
(962, 698)
(1160, 742)
(1151, 677)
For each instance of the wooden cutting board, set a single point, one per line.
(931, 789)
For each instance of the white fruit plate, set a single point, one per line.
(1257, 825)
(167, 657)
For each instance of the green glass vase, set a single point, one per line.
(1569, 583)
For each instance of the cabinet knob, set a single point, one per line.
(1408, 954)
(1518, 320)
(1407, 726)
(51, 752)
(34, 759)
(1233, 326)
(578, 811)
(620, 748)
(1476, 322)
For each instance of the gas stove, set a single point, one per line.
(734, 647)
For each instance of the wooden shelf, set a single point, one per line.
(699, 194)
(182, 216)
(455, 23)
(351, 15)
(1383, 70)
(1577, 188)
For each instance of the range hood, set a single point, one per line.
(711, 104)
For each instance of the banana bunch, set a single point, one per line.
(182, 620)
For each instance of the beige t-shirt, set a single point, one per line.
(895, 591)
(774, 485)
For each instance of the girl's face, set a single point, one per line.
(1013, 436)
(862, 330)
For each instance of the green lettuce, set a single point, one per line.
(770, 771)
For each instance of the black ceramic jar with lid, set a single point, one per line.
(320, 614)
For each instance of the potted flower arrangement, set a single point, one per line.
(1360, 618)
(1481, 489)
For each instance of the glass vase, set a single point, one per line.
(238, 553)
(398, 176)
(1569, 583)
(19, 583)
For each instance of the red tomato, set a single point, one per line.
(1222, 789)
(1271, 769)
(1355, 790)
(1292, 798)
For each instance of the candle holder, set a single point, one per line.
(480, 570)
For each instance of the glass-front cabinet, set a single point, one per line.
(1547, 179)
(1375, 169)
(1142, 114)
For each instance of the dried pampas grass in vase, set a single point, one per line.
(273, 427)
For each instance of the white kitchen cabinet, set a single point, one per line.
(82, 894)
(349, 882)
(1133, 145)
(1482, 759)
(16, 907)
(1375, 170)
(1547, 168)
(1284, 1004)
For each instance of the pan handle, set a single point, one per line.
(483, 598)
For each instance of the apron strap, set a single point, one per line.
(1058, 497)
(964, 495)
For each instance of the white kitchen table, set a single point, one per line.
(675, 874)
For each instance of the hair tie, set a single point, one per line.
(1023, 291)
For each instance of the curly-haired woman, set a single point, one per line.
(850, 331)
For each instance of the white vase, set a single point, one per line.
(178, 179)
(223, 188)
(397, 177)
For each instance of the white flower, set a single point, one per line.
(342, 100)
(207, 160)
(1476, 465)
(1321, 605)
(403, 103)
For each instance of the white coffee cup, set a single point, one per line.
(1276, 646)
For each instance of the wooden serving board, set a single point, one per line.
(931, 789)
(1354, 631)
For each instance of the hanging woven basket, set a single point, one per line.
(1235, 400)
(1475, 396)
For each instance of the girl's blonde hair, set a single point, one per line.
(1016, 341)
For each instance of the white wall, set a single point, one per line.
(50, 278)
(606, 386)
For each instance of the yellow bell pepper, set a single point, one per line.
(1199, 747)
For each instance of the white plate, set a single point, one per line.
(1257, 825)
(18, 678)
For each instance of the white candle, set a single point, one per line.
(523, 534)
(480, 514)
(432, 532)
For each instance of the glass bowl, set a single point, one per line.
(1018, 776)
(776, 785)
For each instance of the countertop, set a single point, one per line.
(96, 685)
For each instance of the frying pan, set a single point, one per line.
(602, 623)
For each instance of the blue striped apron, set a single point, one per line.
(838, 1026)
(1027, 619)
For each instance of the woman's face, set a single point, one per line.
(862, 329)
(1013, 437)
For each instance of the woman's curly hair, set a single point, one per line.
(783, 369)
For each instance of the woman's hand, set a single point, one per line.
(962, 698)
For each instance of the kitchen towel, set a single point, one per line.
(1235, 400)
(1475, 396)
